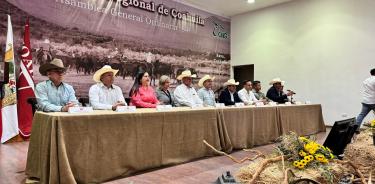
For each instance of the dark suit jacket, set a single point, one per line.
(225, 97)
(275, 96)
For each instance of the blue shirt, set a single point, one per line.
(51, 98)
(207, 96)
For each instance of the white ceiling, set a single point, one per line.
(229, 8)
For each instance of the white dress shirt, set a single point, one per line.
(369, 90)
(102, 97)
(247, 97)
(186, 96)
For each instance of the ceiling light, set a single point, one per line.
(250, 1)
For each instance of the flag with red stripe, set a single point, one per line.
(25, 85)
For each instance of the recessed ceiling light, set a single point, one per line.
(250, 1)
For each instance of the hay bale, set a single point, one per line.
(362, 151)
(274, 173)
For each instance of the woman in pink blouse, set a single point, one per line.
(142, 94)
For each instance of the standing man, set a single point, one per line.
(53, 95)
(230, 96)
(184, 93)
(257, 93)
(104, 94)
(205, 93)
(368, 102)
(246, 95)
(275, 93)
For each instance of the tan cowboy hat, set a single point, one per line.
(54, 64)
(186, 73)
(231, 82)
(275, 80)
(206, 77)
(103, 70)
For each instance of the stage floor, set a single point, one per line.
(206, 170)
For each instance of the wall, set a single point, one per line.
(323, 49)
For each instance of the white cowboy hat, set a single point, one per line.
(275, 80)
(104, 69)
(282, 83)
(54, 64)
(231, 82)
(206, 77)
(186, 73)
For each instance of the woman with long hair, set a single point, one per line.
(142, 94)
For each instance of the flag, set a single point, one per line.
(9, 119)
(25, 86)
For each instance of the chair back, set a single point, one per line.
(84, 101)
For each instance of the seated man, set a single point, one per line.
(257, 93)
(184, 93)
(275, 93)
(229, 96)
(205, 93)
(246, 95)
(53, 95)
(104, 94)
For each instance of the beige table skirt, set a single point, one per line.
(103, 145)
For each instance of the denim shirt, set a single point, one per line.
(51, 98)
(207, 96)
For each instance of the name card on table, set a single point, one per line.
(197, 106)
(126, 109)
(272, 104)
(80, 109)
(219, 105)
(163, 107)
(259, 104)
(288, 103)
(298, 103)
(240, 104)
(307, 102)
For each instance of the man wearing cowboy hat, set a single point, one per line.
(205, 93)
(275, 93)
(184, 93)
(230, 96)
(246, 95)
(53, 95)
(104, 94)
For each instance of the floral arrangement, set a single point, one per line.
(303, 152)
(370, 124)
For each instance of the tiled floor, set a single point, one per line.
(206, 170)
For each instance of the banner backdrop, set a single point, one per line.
(163, 37)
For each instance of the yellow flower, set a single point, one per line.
(295, 163)
(324, 161)
(318, 156)
(312, 151)
(308, 158)
(304, 162)
(300, 165)
(302, 153)
(311, 157)
(372, 124)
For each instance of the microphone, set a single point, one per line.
(291, 91)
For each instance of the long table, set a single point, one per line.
(102, 145)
